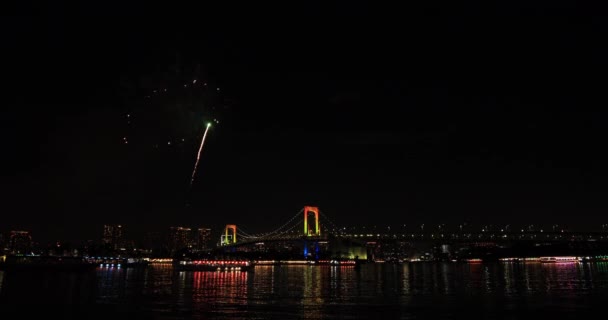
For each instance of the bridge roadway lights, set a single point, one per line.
(317, 230)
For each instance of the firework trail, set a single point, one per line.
(198, 156)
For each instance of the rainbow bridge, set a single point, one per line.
(306, 234)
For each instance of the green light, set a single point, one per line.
(208, 124)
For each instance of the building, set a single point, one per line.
(155, 242)
(179, 238)
(202, 239)
(20, 242)
(113, 236)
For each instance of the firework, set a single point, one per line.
(198, 156)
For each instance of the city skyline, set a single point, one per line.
(420, 118)
(116, 236)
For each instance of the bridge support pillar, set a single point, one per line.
(308, 245)
(229, 236)
(308, 231)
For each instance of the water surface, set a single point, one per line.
(408, 291)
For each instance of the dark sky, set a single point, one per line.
(378, 115)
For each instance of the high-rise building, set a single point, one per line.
(112, 236)
(179, 238)
(202, 237)
(153, 241)
(20, 242)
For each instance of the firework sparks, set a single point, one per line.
(198, 156)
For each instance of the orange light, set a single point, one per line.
(307, 231)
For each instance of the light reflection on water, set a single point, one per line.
(434, 290)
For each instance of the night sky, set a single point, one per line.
(378, 115)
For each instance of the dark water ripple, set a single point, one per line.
(409, 291)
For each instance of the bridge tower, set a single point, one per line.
(307, 229)
(229, 236)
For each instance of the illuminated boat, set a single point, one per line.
(213, 265)
(559, 259)
(339, 262)
(113, 262)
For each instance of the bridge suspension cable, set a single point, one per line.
(297, 224)
(243, 233)
(281, 229)
(329, 222)
(290, 227)
(246, 235)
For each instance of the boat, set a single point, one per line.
(340, 262)
(509, 259)
(104, 262)
(213, 265)
(327, 262)
(559, 259)
(42, 263)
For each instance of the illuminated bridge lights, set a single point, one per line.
(307, 230)
(229, 236)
